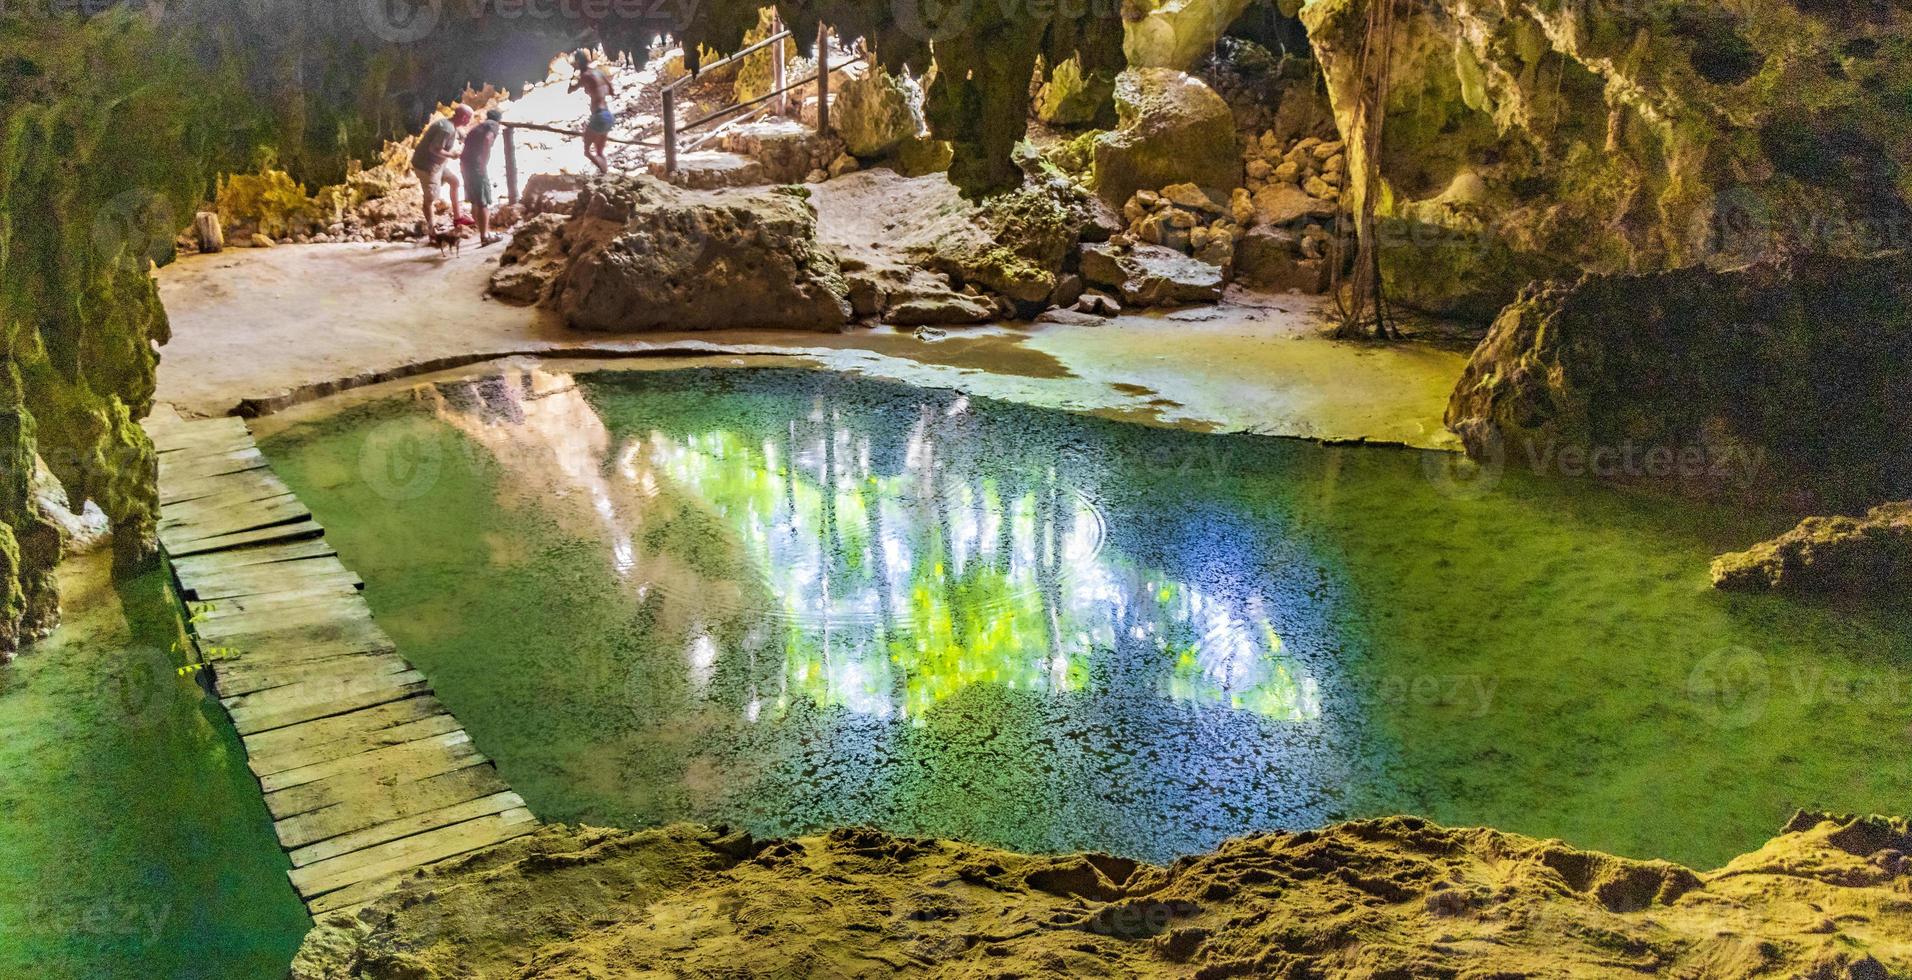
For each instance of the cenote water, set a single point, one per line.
(785, 600)
(133, 841)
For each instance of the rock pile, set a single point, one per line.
(790, 151)
(1182, 218)
(1273, 232)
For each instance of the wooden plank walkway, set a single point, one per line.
(365, 773)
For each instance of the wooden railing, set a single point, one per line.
(671, 129)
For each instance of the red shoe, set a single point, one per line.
(466, 223)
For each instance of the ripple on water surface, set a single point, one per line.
(788, 600)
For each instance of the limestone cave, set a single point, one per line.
(931, 488)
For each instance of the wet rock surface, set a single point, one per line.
(1783, 381)
(1391, 897)
(636, 254)
(1868, 556)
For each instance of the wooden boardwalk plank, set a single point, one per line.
(293, 531)
(483, 806)
(395, 758)
(364, 772)
(357, 743)
(313, 700)
(242, 675)
(373, 803)
(315, 741)
(265, 554)
(410, 852)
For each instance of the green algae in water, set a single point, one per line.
(788, 600)
(133, 840)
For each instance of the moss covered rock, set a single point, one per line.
(1072, 97)
(1173, 129)
(1868, 556)
(1177, 33)
(1784, 381)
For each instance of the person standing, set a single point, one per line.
(475, 163)
(597, 131)
(431, 162)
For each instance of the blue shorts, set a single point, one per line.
(601, 121)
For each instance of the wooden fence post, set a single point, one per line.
(670, 132)
(823, 80)
(511, 166)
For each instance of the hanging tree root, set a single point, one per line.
(1362, 301)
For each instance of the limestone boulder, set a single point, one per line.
(637, 254)
(1014, 244)
(875, 112)
(1151, 275)
(1172, 129)
(1868, 556)
(532, 260)
(1782, 382)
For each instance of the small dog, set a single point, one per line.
(448, 243)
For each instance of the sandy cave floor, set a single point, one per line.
(280, 325)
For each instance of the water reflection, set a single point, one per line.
(884, 572)
(845, 571)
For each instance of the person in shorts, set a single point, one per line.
(431, 163)
(597, 131)
(475, 164)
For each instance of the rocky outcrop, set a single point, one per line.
(1526, 139)
(91, 194)
(788, 151)
(1177, 33)
(1394, 897)
(1072, 97)
(876, 111)
(1868, 556)
(1173, 129)
(1151, 275)
(1784, 380)
(637, 254)
(1014, 244)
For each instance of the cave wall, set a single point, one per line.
(1531, 137)
(113, 128)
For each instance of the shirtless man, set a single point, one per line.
(597, 85)
(437, 148)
